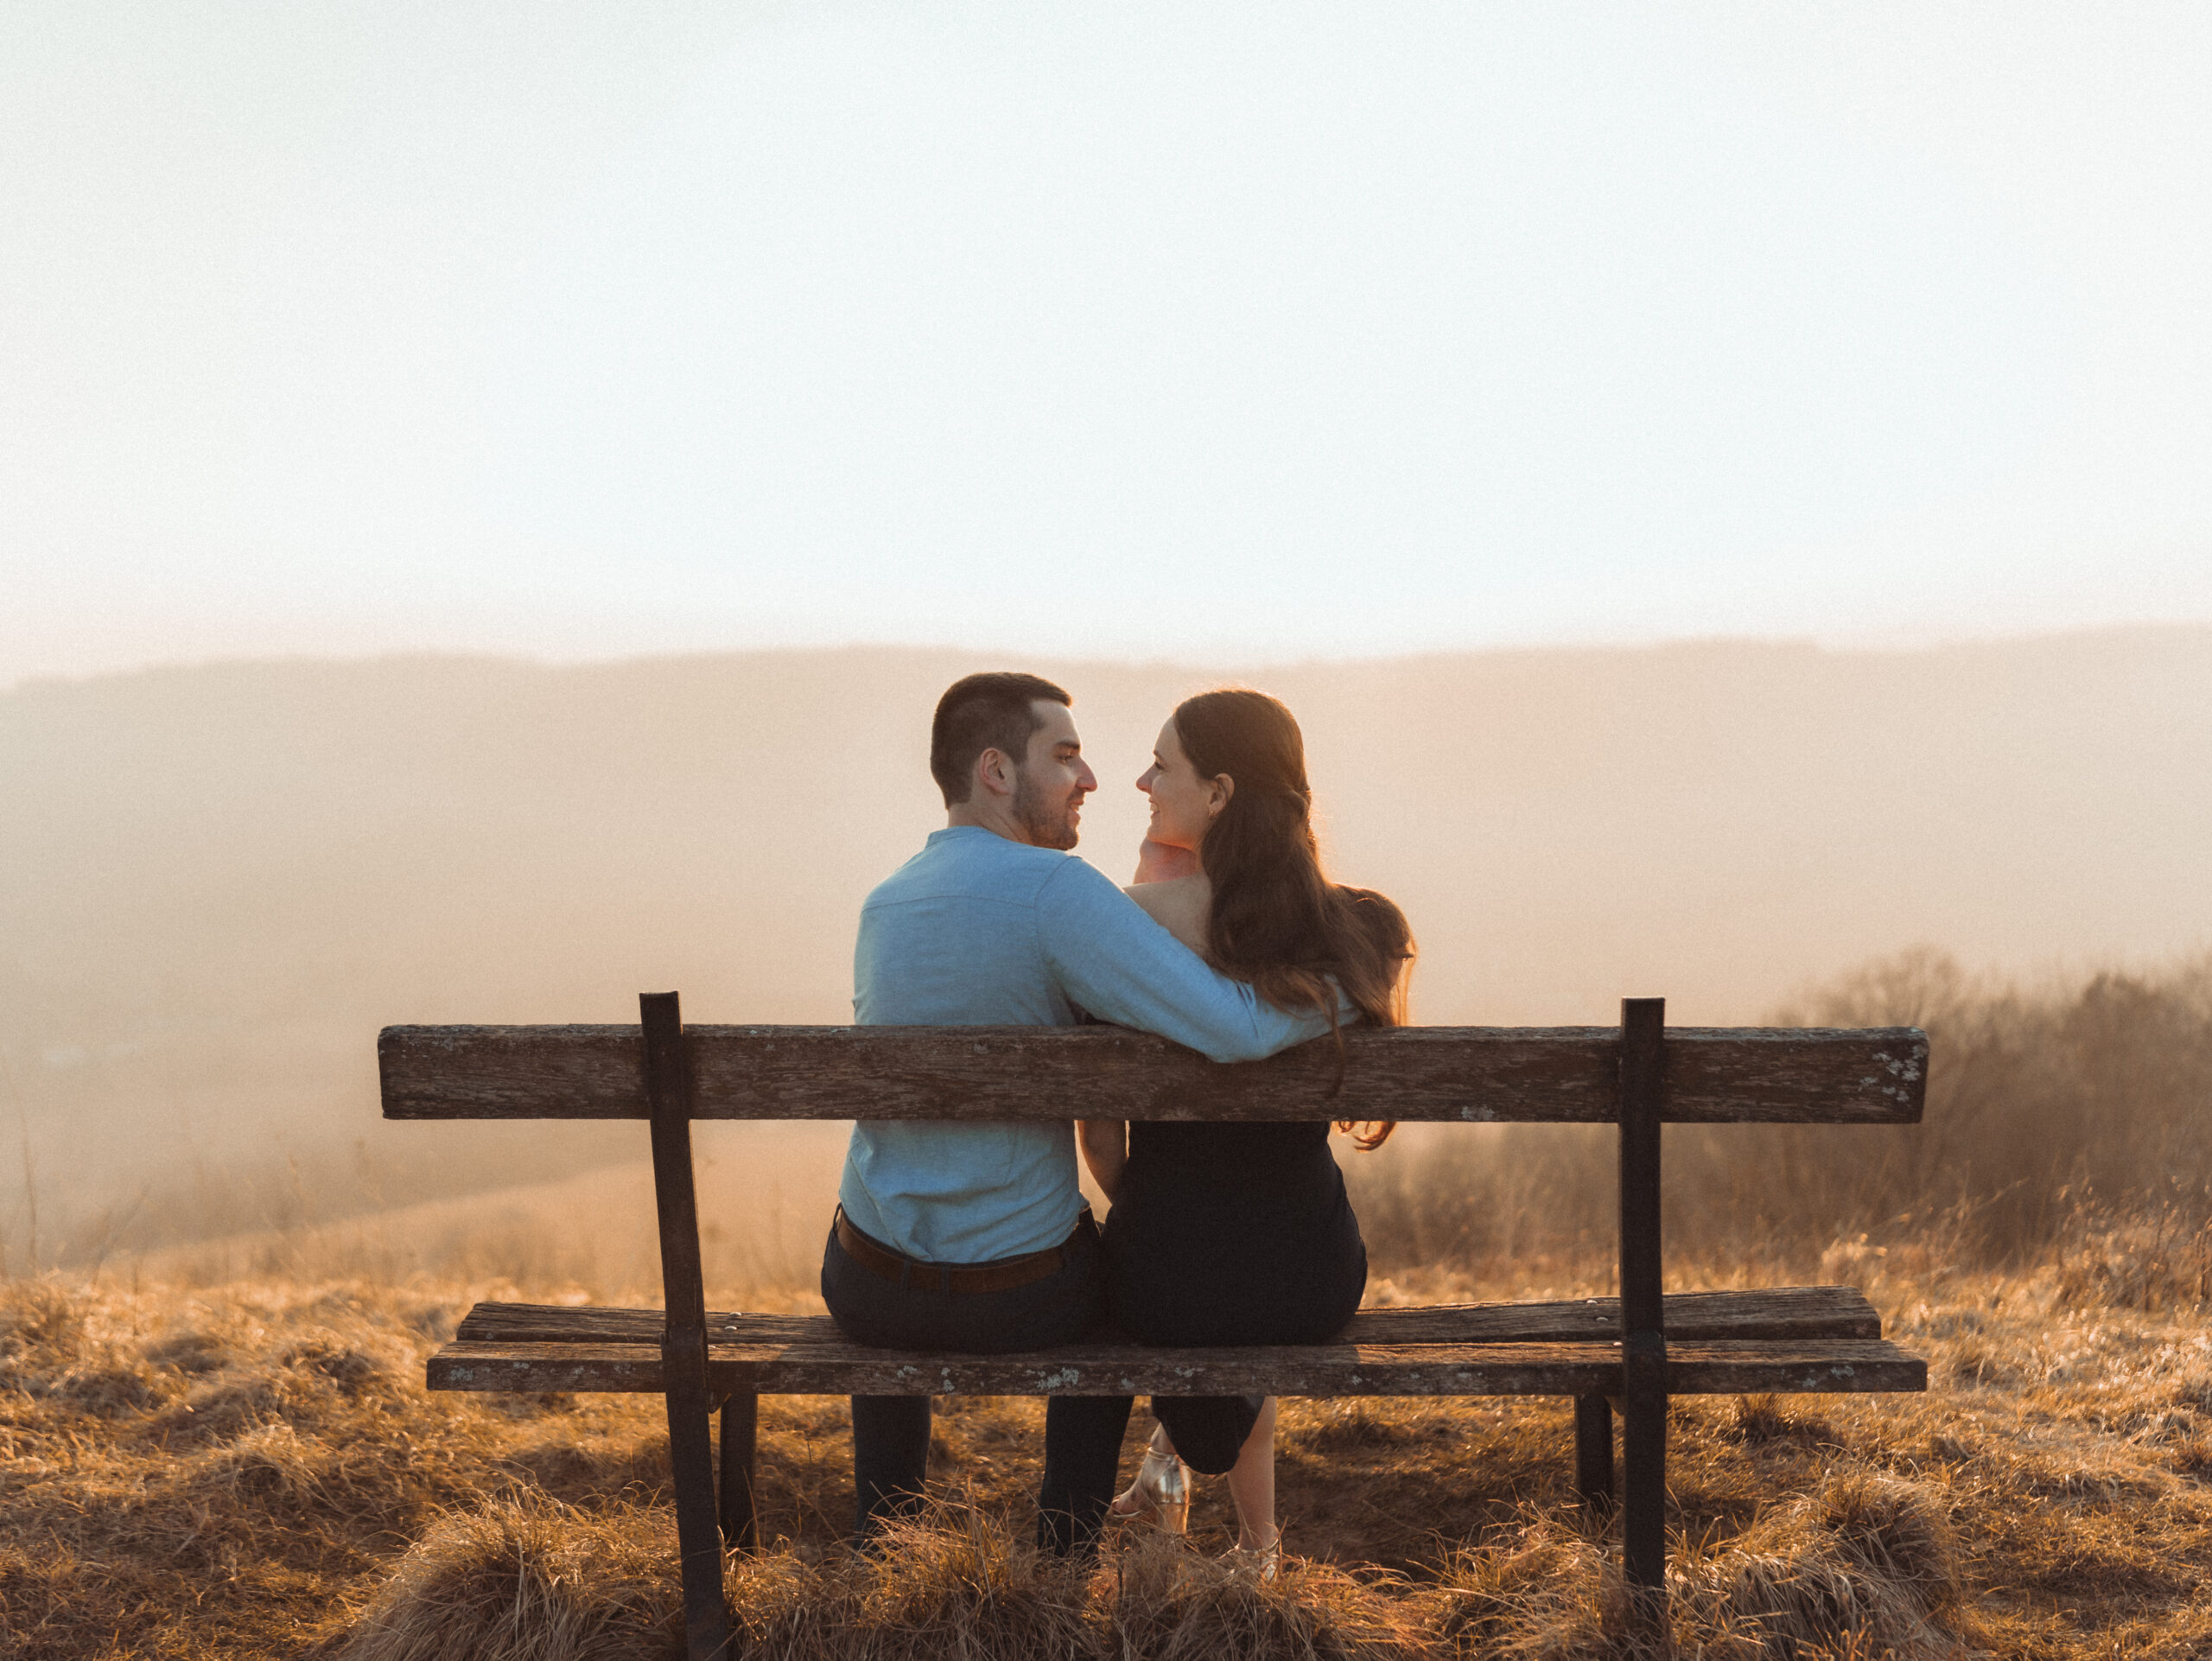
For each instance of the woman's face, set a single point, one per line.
(1183, 804)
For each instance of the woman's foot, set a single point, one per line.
(1252, 1485)
(1261, 1564)
(1162, 1491)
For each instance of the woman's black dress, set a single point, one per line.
(1229, 1234)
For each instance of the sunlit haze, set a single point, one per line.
(1140, 330)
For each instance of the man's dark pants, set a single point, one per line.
(891, 1433)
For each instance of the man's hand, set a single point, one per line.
(1157, 861)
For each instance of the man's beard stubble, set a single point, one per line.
(1044, 822)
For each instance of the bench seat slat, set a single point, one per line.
(1767, 1312)
(1450, 1074)
(816, 1366)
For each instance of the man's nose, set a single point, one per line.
(1084, 778)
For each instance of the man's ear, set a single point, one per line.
(994, 772)
(1222, 788)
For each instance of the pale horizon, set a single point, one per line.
(1895, 643)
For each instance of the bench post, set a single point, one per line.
(684, 1338)
(740, 1429)
(1644, 1338)
(1593, 1455)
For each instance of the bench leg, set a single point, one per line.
(1644, 1476)
(683, 1334)
(740, 1433)
(698, 1538)
(1593, 1454)
(1643, 1322)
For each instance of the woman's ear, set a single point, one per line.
(1218, 794)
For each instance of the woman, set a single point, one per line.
(1241, 1233)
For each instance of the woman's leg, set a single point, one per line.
(1252, 1485)
(1251, 1479)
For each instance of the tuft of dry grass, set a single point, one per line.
(1864, 1564)
(1171, 1604)
(527, 1581)
(953, 1580)
(1537, 1587)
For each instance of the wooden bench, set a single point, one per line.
(1634, 1351)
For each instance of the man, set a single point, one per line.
(975, 1237)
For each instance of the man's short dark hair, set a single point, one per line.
(994, 711)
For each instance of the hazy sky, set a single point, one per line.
(1186, 330)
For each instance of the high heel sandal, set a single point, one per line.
(1260, 1565)
(1162, 1491)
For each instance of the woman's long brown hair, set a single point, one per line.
(1278, 922)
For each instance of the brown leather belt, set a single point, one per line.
(1002, 1276)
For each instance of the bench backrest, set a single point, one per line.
(1457, 1074)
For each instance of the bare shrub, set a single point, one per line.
(2159, 1257)
(2041, 1101)
(2081, 1111)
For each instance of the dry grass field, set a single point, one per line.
(197, 1466)
(256, 1470)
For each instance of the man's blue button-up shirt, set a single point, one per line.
(978, 931)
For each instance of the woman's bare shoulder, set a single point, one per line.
(1175, 891)
(1181, 905)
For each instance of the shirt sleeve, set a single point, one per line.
(1114, 961)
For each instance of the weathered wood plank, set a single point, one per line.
(1832, 1366)
(1456, 1075)
(1768, 1313)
